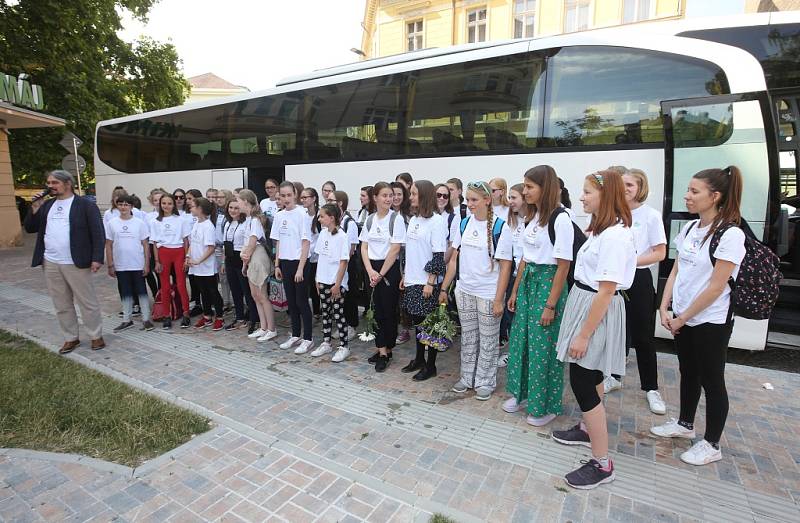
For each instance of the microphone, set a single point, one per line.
(45, 193)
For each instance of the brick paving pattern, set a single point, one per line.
(302, 439)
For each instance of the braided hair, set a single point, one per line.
(489, 227)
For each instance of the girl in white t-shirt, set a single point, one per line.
(535, 375)
(171, 235)
(202, 264)
(383, 234)
(499, 188)
(402, 204)
(333, 249)
(350, 227)
(484, 251)
(592, 334)
(309, 199)
(290, 231)
(256, 263)
(518, 215)
(426, 243)
(701, 319)
(651, 248)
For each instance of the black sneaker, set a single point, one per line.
(235, 324)
(166, 324)
(590, 475)
(572, 436)
(374, 358)
(122, 326)
(382, 363)
(413, 366)
(251, 327)
(120, 314)
(196, 311)
(147, 326)
(185, 322)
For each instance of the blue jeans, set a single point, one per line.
(130, 284)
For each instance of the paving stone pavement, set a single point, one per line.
(299, 439)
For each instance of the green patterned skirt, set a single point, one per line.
(534, 372)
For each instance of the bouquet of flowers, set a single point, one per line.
(437, 330)
(371, 324)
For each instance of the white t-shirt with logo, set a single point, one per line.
(424, 237)
(56, 234)
(695, 269)
(536, 241)
(290, 229)
(269, 207)
(170, 231)
(331, 249)
(203, 236)
(127, 236)
(609, 256)
(516, 241)
(501, 211)
(477, 275)
(378, 238)
(234, 232)
(313, 234)
(648, 230)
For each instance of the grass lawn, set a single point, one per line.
(50, 403)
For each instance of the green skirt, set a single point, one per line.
(534, 372)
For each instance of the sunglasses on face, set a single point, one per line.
(179, 197)
(443, 196)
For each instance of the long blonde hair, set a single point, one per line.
(501, 184)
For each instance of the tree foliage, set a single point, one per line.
(88, 73)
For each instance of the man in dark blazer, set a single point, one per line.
(70, 245)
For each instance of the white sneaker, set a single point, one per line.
(268, 335)
(511, 405)
(324, 348)
(611, 384)
(672, 429)
(657, 405)
(291, 342)
(257, 333)
(303, 347)
(701, 453)
(341, 354)
(351, 333)
(540, 421)
(502, 361)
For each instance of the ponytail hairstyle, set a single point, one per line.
(370, 190)
(426, 196)
(405, 178)
(160, 216)
(315, 226)
(613, 207)
(342, 201)
(334, 212)
(565, 201)
(250, 197)
(525, 209)
(545, 177)
(483, 190)
(298, 190)
(208, 208)
(728, 183)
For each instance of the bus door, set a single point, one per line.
(787, 110)
(718, 131)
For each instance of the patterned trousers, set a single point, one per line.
(332, 311)
(480, 334)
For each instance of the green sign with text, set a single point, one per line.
(20, 91)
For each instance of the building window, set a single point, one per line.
(637, 10)
(524, 18)
(476, 25)
(414, 35)
(576, 15)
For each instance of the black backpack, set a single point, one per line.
(578, 239)
(266, 241)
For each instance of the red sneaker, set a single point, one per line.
(218, 325)
(202, 322)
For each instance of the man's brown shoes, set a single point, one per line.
(69, 346)
(98, 344)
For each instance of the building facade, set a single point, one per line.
(209, 86)
(398, 26)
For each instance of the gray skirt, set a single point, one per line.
(260, 267)
(606, 349)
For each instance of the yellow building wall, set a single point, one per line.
(668, 8)
(501, 20)
(607, 12)
(392, 38)
(10, 228)
(550, 17)
(438, 29)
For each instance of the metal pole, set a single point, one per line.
(77, 167)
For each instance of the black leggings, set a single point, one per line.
(420, 355)
(233, 271)
(640, 317)
(152, 278)
(297, 297)
(208, 290)
(702, 351)
(584, 384)
(352, 296)
(384, 300)
(312, 289)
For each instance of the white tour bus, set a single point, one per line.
(665, 104)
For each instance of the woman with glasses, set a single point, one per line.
(269, 205)
(535, 375)
(592, 335)
(350, 227)
(484, 254)
(383, 234)
(499, 189)
(327, 190)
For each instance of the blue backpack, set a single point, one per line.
(497, 229)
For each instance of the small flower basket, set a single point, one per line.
(437, 330)
(371, 324)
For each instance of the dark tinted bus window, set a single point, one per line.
(777, 47)
(602, 95)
